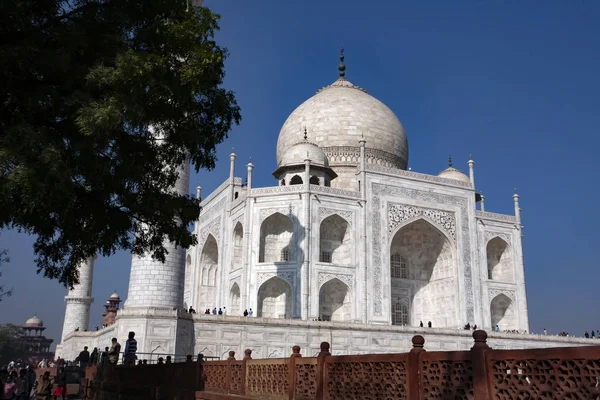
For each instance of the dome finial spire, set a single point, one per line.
(450, 160)
(342, 66)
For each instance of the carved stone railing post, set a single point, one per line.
(231, 356)
(323, 354)
(292, 370)
(480, 376)
(247, 356)
(413, 373)
(200, 372)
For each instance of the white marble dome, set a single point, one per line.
(299, 152)
(34, 322)
(337, 117)
(453, 173)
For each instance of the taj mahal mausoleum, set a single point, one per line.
(347, 246)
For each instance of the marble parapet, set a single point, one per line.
(380, 169)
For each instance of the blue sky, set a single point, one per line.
(513, 83)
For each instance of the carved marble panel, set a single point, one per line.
(491, 234)
(381, 190)
(493, 292)
(398, 213)
(288, 276)
(213, 228)
(325, 277)
(289, 211)
(325, 212)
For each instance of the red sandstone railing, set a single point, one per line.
(480, 373)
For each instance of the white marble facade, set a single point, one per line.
(346, 235)
(386, 246)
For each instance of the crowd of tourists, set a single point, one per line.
(20, 382)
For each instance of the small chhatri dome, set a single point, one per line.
(115, 296)
(34, 322)
(453, 173)
(301, 151)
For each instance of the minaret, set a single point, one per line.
(79, 299)
(472, 170)
(156, 284)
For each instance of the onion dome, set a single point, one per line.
(340, 115)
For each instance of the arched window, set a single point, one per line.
(282, 183)
(236, 195)
(314, 180)
(296, 180)
(400, 312)
(399, 268)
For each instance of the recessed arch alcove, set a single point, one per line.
(234, 300)
(335, 302)
(276, 243)
(335, 241)
(499, 260)
(209, 272)
(502, 312)
(275, 299)
(238, 241)
(422, 275)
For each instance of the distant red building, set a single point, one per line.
(110, 309)
(36, 346)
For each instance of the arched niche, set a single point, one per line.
(499, 261)
(426, 287)
(335, 241)
(335, 302)
(188, 274)
(275, 299)
(502, 313)
(314, 180)
(234, 299)
(296, 180)
(276, 243)
(238, 247)
(209, 272)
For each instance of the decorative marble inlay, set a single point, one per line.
(492, 293)
(398, 213)
(380, 190)
(325, 277)
(335, 191)
(416, 175)
(213, 228)
(277, 189)
(289, 211)
(326, 212)
(491, 234)
(498, 217)
(288, 276)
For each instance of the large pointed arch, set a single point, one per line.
(335, 301)
(276, 239)
(209, 273)
(275, 299)
(238, 246)
(502, 311)
(500, 264)
(422, 273)
(335, 241)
